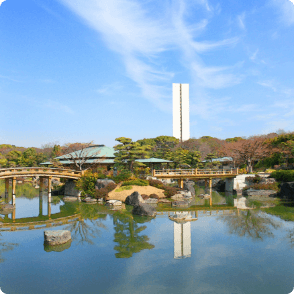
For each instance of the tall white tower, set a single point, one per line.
(181, 117)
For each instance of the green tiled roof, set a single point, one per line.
(92, 151)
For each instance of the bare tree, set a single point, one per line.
(80, 154)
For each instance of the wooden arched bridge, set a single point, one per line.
(11, 174)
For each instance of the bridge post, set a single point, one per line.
(41, 185)
(6, 188)
(13, 190)
(181, 183)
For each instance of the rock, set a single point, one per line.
(100, 200)
(102, 183)
(69, 189)
(69, 198)
(177, 197)
(90, 200)
(268, 181)
(180, 204)
(57, 237)
(7, 206)
(134, 199)
(144, 210)
(189, 186)
(220, 186)
(114, 202)
(151, 201)
(287, 191)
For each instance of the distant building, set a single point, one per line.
(181, 116)
(101, 155)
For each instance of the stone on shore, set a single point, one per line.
(114, 203)
(134, 199)
(151, 201)
(57, 237)
(70, 189)
(287, 191)
(180, 204)
(144, 210)
(102, 183)
(70, 198)
(253, 192)
(90, 200)
(189, 186)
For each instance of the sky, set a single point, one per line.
(96, 70)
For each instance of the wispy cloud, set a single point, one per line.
(51, 104)
(141, 36)
(1, 1)
(241, 21)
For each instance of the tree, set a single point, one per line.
(13, 158)
(30, 158)
(128, 151)
(247, 151)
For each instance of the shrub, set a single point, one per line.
(123, 188)
(154, 196)
(144, 196)
(254, 180)
(136, 182)
(87, 183)
(123, 176)
(170, 191)
(271, 186)
(156, 184)
(283, 175)
(103, 192)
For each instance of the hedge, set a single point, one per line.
(283, 175)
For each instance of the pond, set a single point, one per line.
(211, 251)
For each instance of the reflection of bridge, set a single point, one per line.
(34, 225)
(199, 174)
(44, 173)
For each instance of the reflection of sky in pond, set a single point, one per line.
(29, 207)
(221, 261)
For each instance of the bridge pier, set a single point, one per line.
(6, 188)
(49, 209)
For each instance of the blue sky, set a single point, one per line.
(77, 71)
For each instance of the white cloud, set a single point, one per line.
(1, 1)
(141, 36)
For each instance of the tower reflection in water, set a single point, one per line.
(182, 233)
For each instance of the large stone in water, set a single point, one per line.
(57, 248)
(134, 199)
(57, 237)
(287, 191)
(70, 189)
(144, 210)
(189, 185)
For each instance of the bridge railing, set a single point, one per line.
(194, 172)
(38, 170)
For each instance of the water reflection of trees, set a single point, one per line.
(89, 225)
(251, 223)
(4, 247)
(127, 235)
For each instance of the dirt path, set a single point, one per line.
(141, 189)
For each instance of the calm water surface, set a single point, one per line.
(112, 252)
